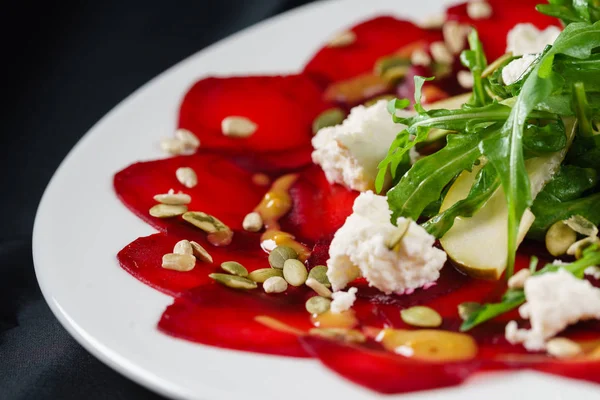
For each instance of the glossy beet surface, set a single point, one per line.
(284, 107)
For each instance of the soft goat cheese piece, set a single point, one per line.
(527, 39)
(361, 246)
(343, 301)
(555, 300)
(350, 152)
(516, 68)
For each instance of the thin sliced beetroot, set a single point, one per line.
(283, 107)
(218, 316)
(506, 14)
(386, 372)
(375, 38)
(143, 259)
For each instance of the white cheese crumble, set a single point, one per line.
(516, 68)
(527, 39)
(592, 271)
(350, 152)
(343, 301)
(555, 300)
(361, 246)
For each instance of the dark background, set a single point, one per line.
(64, 65)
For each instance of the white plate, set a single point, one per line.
(80, 227)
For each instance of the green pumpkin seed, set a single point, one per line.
(421, 316)
(386, 63)
(232, 281)
(559, 238)
(294, 272)
(466, 309)
(339, 334)
(331, 117)
(207, 223)
(261, 275)
(200, 252)
(234, 268)
(167, 210)
(280, 254)
(319, 273)
(317, 305)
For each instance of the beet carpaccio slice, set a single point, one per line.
(284, 107)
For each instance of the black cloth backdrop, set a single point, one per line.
(65, 64)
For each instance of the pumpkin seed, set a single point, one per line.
(517, 281)
(220, 238)
(455, 35)
(280, 254)
(342, 39)
(577, 248)
(187, 177)
(559, 238)
(397, 236)
(275, 284)
(563, 348)
(330, 117)
(318, 287)
(183, 247)
(339, 334)
(583, 226)
(207, 223)
(435, 21)
(175, 199)
(421, 316)
(261, 179)
(319, 273)
(173, 146)
(393, 75)
(465, 79)
(179, 262)
(232, 281)
(238, 127)
(317, 305)
(253, 222)
(466, 309)
(420, 57)
(200, 253)
(234, 268)
(294, 272)
(440, 53)
(384, 64)
(261, 275)
(479, 9)
(167, 210)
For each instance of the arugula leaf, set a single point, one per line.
(486, 183)
(571, 10)
(425, 181)
(539, 140)
(515, 297)
(419, 82)
(475, 60)
(570, 182)
(506, 151)
(582, 110)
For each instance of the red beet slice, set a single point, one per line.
(375, 38)
(506, 15)
(283, 107)
(385, 372)
(143, 259)
(218, 316)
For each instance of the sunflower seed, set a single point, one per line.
(179, 262)
(294, 272)
(167, 210)
(432, 22)
(331, 117)
(317, 305)
(220, 238)
(479, 9)
(465, 79)
(183, 247)
(275, 284)
(173, 146)
(234, 268)
(189, 140)
(175, 199)
(207, 223)
(200, 253)
(421, 316)
(517, 281)
(280, 254)
(455, 36)
(238, 127)
(261, 275)
(440, 53)
(342, 39)
(560, 238)
(319, 273)
(253, 222)
(419, 57)
(318, 287)
(339, 334)
(187, 177)
(232, 281)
